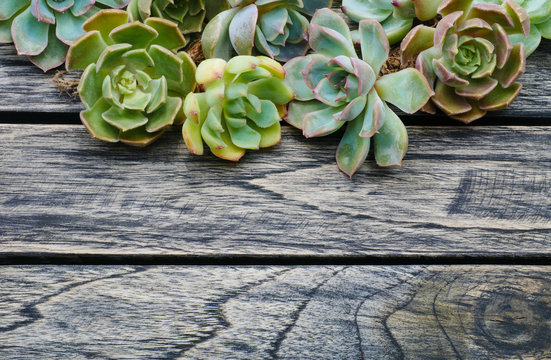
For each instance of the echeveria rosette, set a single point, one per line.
(188, 14)
(276, 28)
(469, 58)
(539, 12)
(395, 16)
(44, 29)
(334, 87)
(134, 79)
(243, 103)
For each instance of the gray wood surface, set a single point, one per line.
(479, 191)
(329, 312)
(24, 87)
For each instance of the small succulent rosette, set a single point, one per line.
(188, 14)
(539, 12)
(334, 88)
(276, 28)
(44, 29)
(469, 57)
(241, 108)
(396, 16)
(134, 79)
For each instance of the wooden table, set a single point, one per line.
(114, 252)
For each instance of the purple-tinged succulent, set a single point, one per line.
(243, 103)
(188, 14)
(276, 28)
(44, 29)
(469, 57)
(395, 16)
(134, 78)
(539, 12)
(334, 87)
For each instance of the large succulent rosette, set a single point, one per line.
(395, 16)
(241, 107)
(44, 29)
(188, 14)
(276, 28)
(469, 57)
(334, 88)
(134, 80)
(539, 12)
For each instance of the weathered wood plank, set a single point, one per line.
(25, 88)
(481, 191)
(358, 312)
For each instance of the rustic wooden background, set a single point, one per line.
(114, 252)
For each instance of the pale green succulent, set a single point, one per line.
(188, 14)
(395, 16)
(134, 78)
(334, 87)
(44, 29)
(276, 28)
(243, 103)
(469, 58)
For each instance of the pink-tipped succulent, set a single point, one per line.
(188, 14)
(276, 28)
(134, 78)
(334, 87)
(469, 57)
(539, 12)
(241, 107)
(395, 16)
(44, 29)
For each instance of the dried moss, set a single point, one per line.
(67, 83)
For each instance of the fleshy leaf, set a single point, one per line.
(407, 89)
(391, 142)
(352, 149)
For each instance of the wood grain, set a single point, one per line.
(25, 88)
(328, 312)
(480, 191)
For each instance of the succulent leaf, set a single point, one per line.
(471, 60)
(275, 28)
(132, 87)
(240, 108)
(44, 29)
(335, 87)
(396, 17)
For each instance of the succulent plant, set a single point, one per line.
(44, 29)
(188, 14)
(396, 16)
(469, 58)
(334, 87)
(134, 79)
(276, 28)
(539, 12)
(243, 103)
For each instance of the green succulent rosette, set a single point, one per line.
(241, 107)
(188, 14)
(275, 28)
(539, 12)
(469, 58)
(334, 87)
(134, 78)
(395, 16)
(43, 30)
